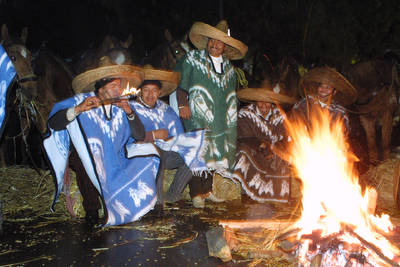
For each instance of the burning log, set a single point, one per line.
(371, 247)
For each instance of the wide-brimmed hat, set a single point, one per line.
(169, 79)
(85, 81)
(201, 32)
(346, 93)
(265, 94)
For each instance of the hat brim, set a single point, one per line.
(264, 95)
(346, 93)
(169, 79)
(201, 32)
(85, 81)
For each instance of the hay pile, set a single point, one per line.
(381, 177)
(26, 195)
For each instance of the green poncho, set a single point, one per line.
(213, 104)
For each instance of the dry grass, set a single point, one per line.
(26, 195)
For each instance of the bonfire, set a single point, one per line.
(337, 225)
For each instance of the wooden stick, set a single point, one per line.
(372, 247)
(258, 223)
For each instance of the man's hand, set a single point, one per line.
(124, 104)
(89, 103)
(264, 148)
(184, 112)
(160, 134)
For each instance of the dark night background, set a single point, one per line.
(328, 31)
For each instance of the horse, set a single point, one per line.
(378, 87)
(20, 108)
(89, 59)
(165, 55)
(54, 84)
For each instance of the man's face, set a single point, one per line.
(264, 107)
(325, 91)
(111, 90)
(150, 93)
(215, 47)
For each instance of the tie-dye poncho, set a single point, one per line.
(213, 104)
(263, 174)
(128, 186)
(191, 146)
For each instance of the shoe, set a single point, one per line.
(158, 211)
(199, 202)
(92, 218)
(213, 198)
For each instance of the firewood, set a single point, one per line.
(372, 247)
(396, 184)
(258, 223)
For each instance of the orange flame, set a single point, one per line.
(332, 196)
(130, 90)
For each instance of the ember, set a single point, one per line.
(336, 221)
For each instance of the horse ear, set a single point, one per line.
(128, 41)
(4, 33)
(168, 35)
(24, 35)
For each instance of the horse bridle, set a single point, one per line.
(24, 106)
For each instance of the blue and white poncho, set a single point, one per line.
(128, 186)
(7, 74)
(191, 146)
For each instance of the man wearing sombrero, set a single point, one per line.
(325, 88)
(263, 174)
(206, 97)
(99, 126)
(177, 149)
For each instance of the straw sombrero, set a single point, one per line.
(201, 32)
(346, 93)
(169, 79)
(264, 94)
(85, 81)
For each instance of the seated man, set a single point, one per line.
(263, 174)
(161, 124)
(99, 125)
(326, 88)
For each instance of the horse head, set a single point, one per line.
(282, 77)
(286, 76)
(169, 52)
(21, 110)
(90, 58)
(22, 60)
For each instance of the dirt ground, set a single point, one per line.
(34, 236)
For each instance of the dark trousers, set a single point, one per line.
(91, 202)
(200, 185)
(172, 160)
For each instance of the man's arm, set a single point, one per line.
(59, 120)
(182, 94)
(136, 126)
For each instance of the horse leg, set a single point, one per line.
(387, 127)
(369, 126)
(3, 154)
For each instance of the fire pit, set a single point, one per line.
(338, 225)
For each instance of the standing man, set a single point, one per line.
(206, 98)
